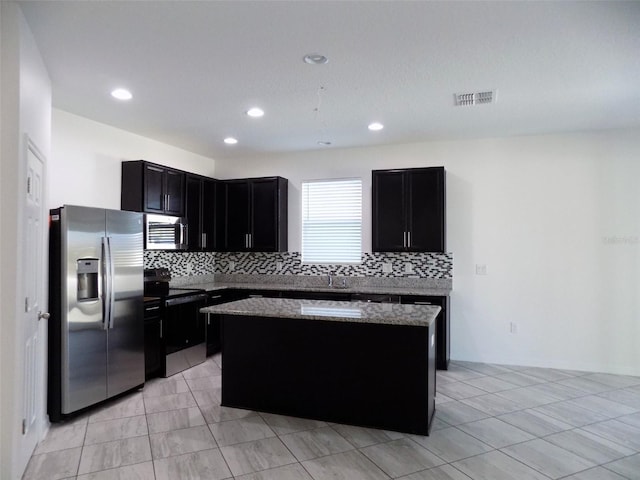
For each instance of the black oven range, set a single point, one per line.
(184, 327)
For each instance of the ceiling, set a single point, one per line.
(195, 68)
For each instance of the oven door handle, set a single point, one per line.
(188, 299)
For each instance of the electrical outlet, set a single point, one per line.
(513, 327)
(278, 266)
(387, 267)
(232, 266)
(481, 269)
(189, 268)
(408, 267)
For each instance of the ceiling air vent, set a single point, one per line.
(476, 98)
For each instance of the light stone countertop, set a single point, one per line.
(404, 290)
(359, 312)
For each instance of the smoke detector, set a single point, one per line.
(475, 98)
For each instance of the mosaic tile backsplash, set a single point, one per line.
(182, 264)
(400, 265)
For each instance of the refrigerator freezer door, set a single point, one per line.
(83, 337)
(125, 356)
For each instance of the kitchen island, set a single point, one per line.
(359, 363)
(430, 291)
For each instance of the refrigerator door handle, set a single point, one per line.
(112, 299)
(184, 233)
(106, 304)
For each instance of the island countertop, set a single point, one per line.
(357, 312)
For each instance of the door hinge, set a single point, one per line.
(29, 185)
(24, 426)
(26, 304)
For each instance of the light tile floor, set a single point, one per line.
(492, 422)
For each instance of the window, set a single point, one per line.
(332, 221)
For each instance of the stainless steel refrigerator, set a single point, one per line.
(96, 328)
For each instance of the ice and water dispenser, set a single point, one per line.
(87, 269)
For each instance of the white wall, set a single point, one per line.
(555, 218)
(26, 109)
(86, 158)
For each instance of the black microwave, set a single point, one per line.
(163, 232)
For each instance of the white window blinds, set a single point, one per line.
(332, 221)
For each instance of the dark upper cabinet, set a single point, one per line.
(201, 213)
(255, 212)
(151, 188)
(408, 210)
(237, 215)
(174, 188)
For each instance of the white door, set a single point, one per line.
(33, 289)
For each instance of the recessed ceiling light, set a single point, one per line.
(375, 126)
(121, 94)
(315, 59)
(255, 112)
(230, 141)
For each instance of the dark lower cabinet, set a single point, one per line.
(375, 298)
(214, 341)
(153, 343)
(262, 294)
(443, 335)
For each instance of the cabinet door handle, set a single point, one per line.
(422, 303)
(208, 319)
(148, 309)
(214, 297)
(160, 328)
(404, 239)
(203, 241)
(168, 202)
(409, 239)
(251, 240)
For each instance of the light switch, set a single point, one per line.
(387, 267)
(408, 267)
(481, 269)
